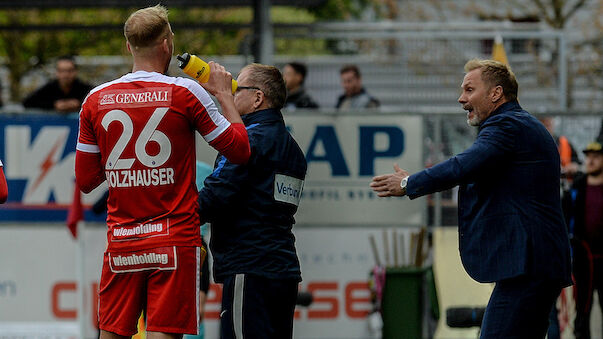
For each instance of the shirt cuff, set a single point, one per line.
(87, 148)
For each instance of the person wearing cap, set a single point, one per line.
(583, 207)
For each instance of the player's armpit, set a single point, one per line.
(88, 170)
(233, 143)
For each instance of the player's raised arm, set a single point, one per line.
(220, 86)
(233, 141)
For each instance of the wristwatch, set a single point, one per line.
(403, 184)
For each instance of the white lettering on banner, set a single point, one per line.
(287, 189)
(137, 178)
(138, 230)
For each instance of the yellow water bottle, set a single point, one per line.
(197, 68)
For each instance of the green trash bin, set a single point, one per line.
(402, 305)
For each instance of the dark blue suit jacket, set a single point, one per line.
(510, 219)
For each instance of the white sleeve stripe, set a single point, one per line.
(205, 100)
(87, 148)
(209, 137)
(1, 163)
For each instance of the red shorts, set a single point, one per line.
(163, 281)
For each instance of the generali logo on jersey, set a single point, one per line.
(135, 97)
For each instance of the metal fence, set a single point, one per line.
(420, 67)
(413, 68)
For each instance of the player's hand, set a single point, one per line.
(220, 80)
(388, 185)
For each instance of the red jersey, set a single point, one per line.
(143, 126)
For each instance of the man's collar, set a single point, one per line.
(362, 91)
(260, 116)
(507, 106)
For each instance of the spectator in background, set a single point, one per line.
(3, 185)
(570, 164)
(64, 94)
(569, 168)
(354, 95)
(294, 74)
(583, 209)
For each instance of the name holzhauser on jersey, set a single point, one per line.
(144, 177)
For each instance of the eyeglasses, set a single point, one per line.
(247, 87)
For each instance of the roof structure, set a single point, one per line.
(143, 3)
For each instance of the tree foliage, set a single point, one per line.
(25, 50)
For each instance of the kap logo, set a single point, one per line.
(325, 147)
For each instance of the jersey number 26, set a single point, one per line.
(148, 133)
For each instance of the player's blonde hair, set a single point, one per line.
(147, 27)
(496, 73)
(270, 80)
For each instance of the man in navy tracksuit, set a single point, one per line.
(252, 245)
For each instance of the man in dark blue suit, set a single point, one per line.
(511, 228)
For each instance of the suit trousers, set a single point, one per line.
(519, 308)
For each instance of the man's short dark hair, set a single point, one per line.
(299, 68)
(270, 80)
(350, 68)
(69, 58)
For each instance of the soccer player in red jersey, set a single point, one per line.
(3, 185)
(138, 134)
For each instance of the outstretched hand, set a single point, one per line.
(388, 185)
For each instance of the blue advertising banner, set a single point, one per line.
(38, 152)
(344, 151)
